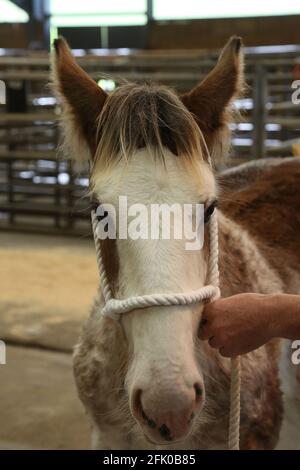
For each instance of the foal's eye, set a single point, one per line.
(209, 211)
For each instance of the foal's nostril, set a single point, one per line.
(165, 432)
(138, 410)
(151, 423)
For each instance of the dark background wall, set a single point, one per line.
(13, 35)
(192, 34)
(18, 35)
(214, 33)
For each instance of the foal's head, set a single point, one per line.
(154, 147)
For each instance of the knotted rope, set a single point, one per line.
(114, 308)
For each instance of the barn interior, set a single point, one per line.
(47, 261)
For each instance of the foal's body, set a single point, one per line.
(255, 246)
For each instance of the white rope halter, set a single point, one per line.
(114, 308)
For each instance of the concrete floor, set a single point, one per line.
(39, 408)
(47, 285)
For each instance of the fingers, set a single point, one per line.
(206, 325)
(214, 343)
(204, 330)
(225, 352)
(211, 330)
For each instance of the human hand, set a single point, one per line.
(238, 324)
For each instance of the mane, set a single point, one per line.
(147, 116)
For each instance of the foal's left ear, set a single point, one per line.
(82, 101)
(210, 101)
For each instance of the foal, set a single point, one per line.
(149, 381)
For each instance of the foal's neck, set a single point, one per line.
(243, 266)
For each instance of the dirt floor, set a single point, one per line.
(47, 285)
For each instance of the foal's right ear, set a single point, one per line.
(82, 101)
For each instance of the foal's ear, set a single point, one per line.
(211, 101)
(82, 101)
